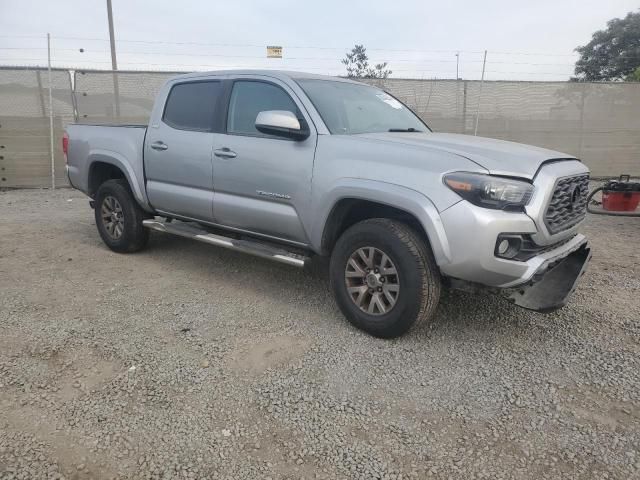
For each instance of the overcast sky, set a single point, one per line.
(526, 40)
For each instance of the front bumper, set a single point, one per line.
(472, 232)
(542, 283)
(552, 285)
(545, 274)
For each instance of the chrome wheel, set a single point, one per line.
(112, 217)
(372, 280)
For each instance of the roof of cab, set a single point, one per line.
(279, 74)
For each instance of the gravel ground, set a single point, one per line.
(188, 361)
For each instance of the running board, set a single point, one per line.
(247, 246)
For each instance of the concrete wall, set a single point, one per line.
(597, 122)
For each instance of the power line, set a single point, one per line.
(441, 75)
(410, 61)
(412, 66)
(168, 64)
(310, 47)
(23, 36)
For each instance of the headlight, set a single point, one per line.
(487, 191)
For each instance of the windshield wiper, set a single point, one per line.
(410, 129)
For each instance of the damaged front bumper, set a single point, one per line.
(549, 286)
(553, 283)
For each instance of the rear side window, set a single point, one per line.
(250, 98)
(191, 106)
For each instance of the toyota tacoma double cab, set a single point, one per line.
(288, 166)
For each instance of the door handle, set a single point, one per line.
(225, 153)
(159, 146)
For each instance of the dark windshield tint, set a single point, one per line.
(191, 106)
(350, 108)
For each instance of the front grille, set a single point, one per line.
(568, 204)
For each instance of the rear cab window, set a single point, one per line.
(192, 105)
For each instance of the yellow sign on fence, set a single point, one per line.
(274, 52)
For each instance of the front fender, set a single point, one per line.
(402, 198)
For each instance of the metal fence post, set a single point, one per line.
(53, 161)
(43, 106)
(484, 63)
(74, 99)
(457, 98)
(114, 63)
(431, 82)
(464, 107)
(581, 133)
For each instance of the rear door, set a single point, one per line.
(262, 182)
(177, 156)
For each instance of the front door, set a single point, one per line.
(177, 156)
(262, 183)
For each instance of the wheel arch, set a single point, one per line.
(100, 172)
(363, 199)
(107, 165)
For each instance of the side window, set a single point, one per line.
(191, 106)
(249, 98)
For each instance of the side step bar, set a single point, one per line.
(256, 248)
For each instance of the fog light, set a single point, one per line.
(508, 245)
(503, 247)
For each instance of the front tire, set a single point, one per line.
(119, 217)
(384, 277)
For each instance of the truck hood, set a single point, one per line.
(498, 157)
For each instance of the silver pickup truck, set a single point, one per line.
(289, 166)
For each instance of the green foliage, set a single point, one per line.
(357, 63)
(634, 76)
(613, 53)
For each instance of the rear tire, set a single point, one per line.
(119, 217)
(384, 277)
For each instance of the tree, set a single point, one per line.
(613, 53)
(634, 77)
(357, 63)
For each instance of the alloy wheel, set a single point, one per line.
(372, 280)
(112, 217)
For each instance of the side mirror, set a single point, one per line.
(281, 123)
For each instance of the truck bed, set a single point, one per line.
(119, 145)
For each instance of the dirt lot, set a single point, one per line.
(188, 361)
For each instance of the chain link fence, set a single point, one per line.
(25, 133)
(597, 122)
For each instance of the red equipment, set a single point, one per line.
(621, 195)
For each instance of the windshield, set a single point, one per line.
(350, 108)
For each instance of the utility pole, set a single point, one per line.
(51, 151)
(484, 63)
(114, 62)
(457, 83)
